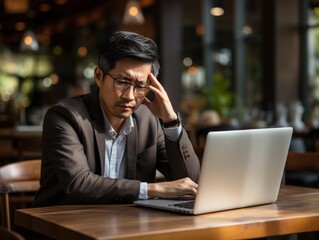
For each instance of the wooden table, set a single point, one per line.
(297, 210)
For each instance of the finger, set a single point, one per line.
(157, 92)
(155, 82)
(189, 191)
(190, 182)
(152, 78)
(194, 185)
(193, 191)
(187, 185)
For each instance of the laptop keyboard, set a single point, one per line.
(189, 205)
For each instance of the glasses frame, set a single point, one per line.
(120, 80)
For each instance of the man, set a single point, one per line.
(105, 147)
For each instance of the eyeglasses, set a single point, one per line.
(122, 84)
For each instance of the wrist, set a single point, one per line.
(174, 122)
(151, 190)
(169, 118)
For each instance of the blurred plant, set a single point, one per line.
(220, 97)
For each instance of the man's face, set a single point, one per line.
(119, 101)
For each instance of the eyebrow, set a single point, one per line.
(132, 79)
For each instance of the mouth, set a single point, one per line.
(125, 106)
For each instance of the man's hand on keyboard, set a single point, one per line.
(172, 189)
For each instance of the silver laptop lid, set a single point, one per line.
(242, 168)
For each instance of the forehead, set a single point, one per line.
(132, 68)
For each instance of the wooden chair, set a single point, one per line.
(17, 178)
(302, 168)
(27, 146)
(5, 234)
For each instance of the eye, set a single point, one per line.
(141, 84)
(123, 82)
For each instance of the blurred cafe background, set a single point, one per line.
(226, 64)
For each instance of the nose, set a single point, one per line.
(129, 93)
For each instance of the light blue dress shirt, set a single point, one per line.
(115, 144)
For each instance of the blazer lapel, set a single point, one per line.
(99, 128)
(131, 152)
(100, 139)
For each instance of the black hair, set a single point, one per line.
(128, 44)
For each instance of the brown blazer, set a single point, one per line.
(74, 148)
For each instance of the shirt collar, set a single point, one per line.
(126, 129)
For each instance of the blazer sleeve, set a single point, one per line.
(182, 160)
(174, 159)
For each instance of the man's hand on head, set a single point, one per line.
(161, 105)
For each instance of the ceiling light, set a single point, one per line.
(217, 8)
(133, 13)
(216, 11)
(29, 41)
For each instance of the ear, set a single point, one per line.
(98, 76)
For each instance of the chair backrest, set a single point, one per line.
(18, 177)
(21, 171)
(5, 234)
(27, 146)
(301, 161)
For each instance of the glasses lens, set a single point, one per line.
(122, 85)
(140, 90)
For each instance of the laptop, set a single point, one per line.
(240, 168)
